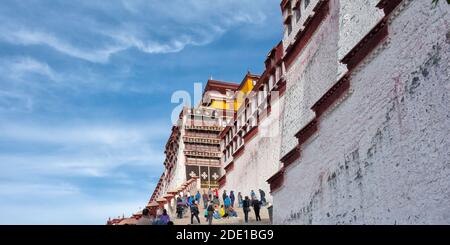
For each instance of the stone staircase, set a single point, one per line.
(186, 220)
(264, 213)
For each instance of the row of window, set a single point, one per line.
(198, 161)
(236, 144)
(297, 12)
(203, 148)
(204, 141)
(202, 154)
(201, 113)
(199, 122)
(256, 101)
(200, 134)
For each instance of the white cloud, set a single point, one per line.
(14, 101)
(46, 168)
(21, 79)
(70, 209)
(112, 135)
(23, 189)
(20, 66)
(39, 177)
(80, 150)
(154, 27)
(25, 36)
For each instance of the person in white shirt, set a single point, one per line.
(146, 218)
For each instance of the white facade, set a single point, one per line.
(260, 159)
(382, 155)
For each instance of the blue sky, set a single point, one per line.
(85, 95)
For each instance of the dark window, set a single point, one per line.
(297, 14)
(288, 16)
(306, 3)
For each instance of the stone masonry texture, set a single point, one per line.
(382, 154)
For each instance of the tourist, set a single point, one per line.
(246, 208)
(232, 213)
(210, 194)
(210, 210)
(216, 215)
(240, 199)
(186, 200)
(217, 193)
(165, 218)
(194, 212)
(146, 219)
(227, 202)
(159, 212)
(183, 199)
(257, 207)
(253, 195)
(232, 198)
(222, 212)
(205, 200)
(158, 220)
(205, 213)
(191, 200)
(198, 196)
(224, 195)
(262, 195)
(179, 208)
(216, 201)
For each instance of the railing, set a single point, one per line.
(202, 154)
(201, 140)
(202, 148)
(199, 161)
(204, 128)
(203, 123)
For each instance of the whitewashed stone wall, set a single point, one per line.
(310, 76)
(179, 172)
(260, 160)
(383, 155)
(356, 19)
(298, 25)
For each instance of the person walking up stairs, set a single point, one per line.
(194, 212)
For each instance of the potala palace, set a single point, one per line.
(348, 124)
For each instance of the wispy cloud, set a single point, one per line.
(105, 134)
(21, 189)
(66, 208)
(61, 158)
(85, 98)
(153, 27)
(32, 37)
(15, 101)
(84, 150)
(19, 66)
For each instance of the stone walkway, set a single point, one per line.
(186, 220)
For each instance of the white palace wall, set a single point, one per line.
(260, 158)
(382, 155)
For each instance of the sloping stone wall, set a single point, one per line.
(382, 156)
(260, 158)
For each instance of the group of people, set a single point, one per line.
(187, 201)
(162, 218)
(214, 208)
